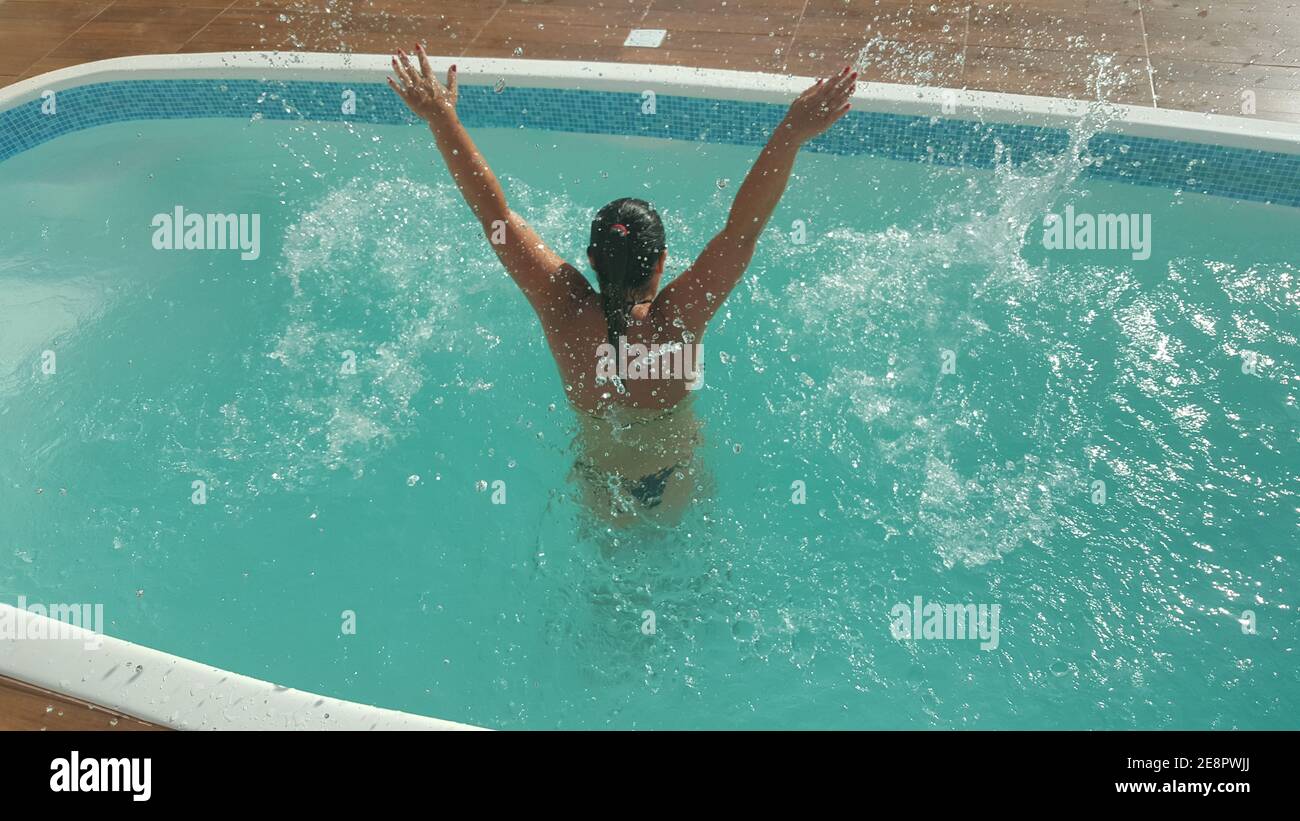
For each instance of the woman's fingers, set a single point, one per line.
(410, 76)
(452, 84)
(828, 99)
(833, 80)
(403, 75)
(845, 79)
(424, 62)
(827, 86)
(842, 93)
(401, 92)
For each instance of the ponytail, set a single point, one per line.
(627, 239)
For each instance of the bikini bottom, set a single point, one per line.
(648, 490)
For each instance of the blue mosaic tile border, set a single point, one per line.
(1243, 174)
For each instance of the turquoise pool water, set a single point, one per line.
(330, 492)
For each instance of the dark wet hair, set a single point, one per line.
(627, 238)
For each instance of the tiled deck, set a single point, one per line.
(1198, 55)
(23, 707)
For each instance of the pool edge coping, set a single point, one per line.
(176, 692)
(980, 106)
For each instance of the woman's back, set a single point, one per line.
(647, 368)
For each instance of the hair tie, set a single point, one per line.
(620, 228)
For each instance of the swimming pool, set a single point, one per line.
(908, 396)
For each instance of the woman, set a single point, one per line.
(628, 354)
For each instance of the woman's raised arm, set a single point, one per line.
(695, 296)
(540, 273)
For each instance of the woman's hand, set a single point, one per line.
(421, 91)
(817, 109)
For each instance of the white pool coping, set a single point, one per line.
(172, 691)
(984, 106)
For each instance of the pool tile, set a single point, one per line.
(1229, 172)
